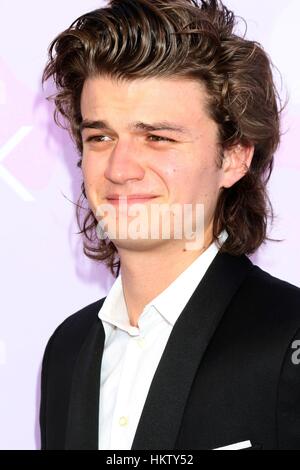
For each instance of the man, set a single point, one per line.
(194, 347)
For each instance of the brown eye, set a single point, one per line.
(95, 138)
(161, 139)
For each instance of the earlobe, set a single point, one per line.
(226, 162)
(236, 164)
(245, 168)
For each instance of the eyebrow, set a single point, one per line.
(137, 126)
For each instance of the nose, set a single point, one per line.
(124, 164)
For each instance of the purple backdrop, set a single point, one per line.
(45, 277)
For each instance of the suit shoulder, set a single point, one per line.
(272, 298)
(76, 326)
(275, 286)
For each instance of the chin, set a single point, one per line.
(138, 244)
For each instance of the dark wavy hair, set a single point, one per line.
(132, 39)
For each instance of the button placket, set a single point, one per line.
(122, 412)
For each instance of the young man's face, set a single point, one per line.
(177, 167)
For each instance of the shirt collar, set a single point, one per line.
(178, 293)
(170, 302)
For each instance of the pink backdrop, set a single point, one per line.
(44, 275)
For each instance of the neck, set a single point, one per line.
(145, 274)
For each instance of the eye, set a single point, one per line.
(157, 138)
(95, 138)
(161, 139)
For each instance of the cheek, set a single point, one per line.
(88, 166)
(91, 170)
(171, 166)
(190, 178)
(170, 173)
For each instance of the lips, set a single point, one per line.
(133, 199)
(131, 196)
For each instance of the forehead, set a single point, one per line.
(163, 98)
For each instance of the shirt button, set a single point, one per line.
(123, 421)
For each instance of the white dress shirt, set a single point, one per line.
(131, 354)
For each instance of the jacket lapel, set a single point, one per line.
(164, 407)
(82, 426)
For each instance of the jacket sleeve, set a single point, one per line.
(288, 409)
(43, 402)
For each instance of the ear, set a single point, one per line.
(236, 163)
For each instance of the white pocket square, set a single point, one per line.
(236, 446)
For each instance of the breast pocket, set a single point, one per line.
(244, 445)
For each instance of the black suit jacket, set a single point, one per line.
(229, 372)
